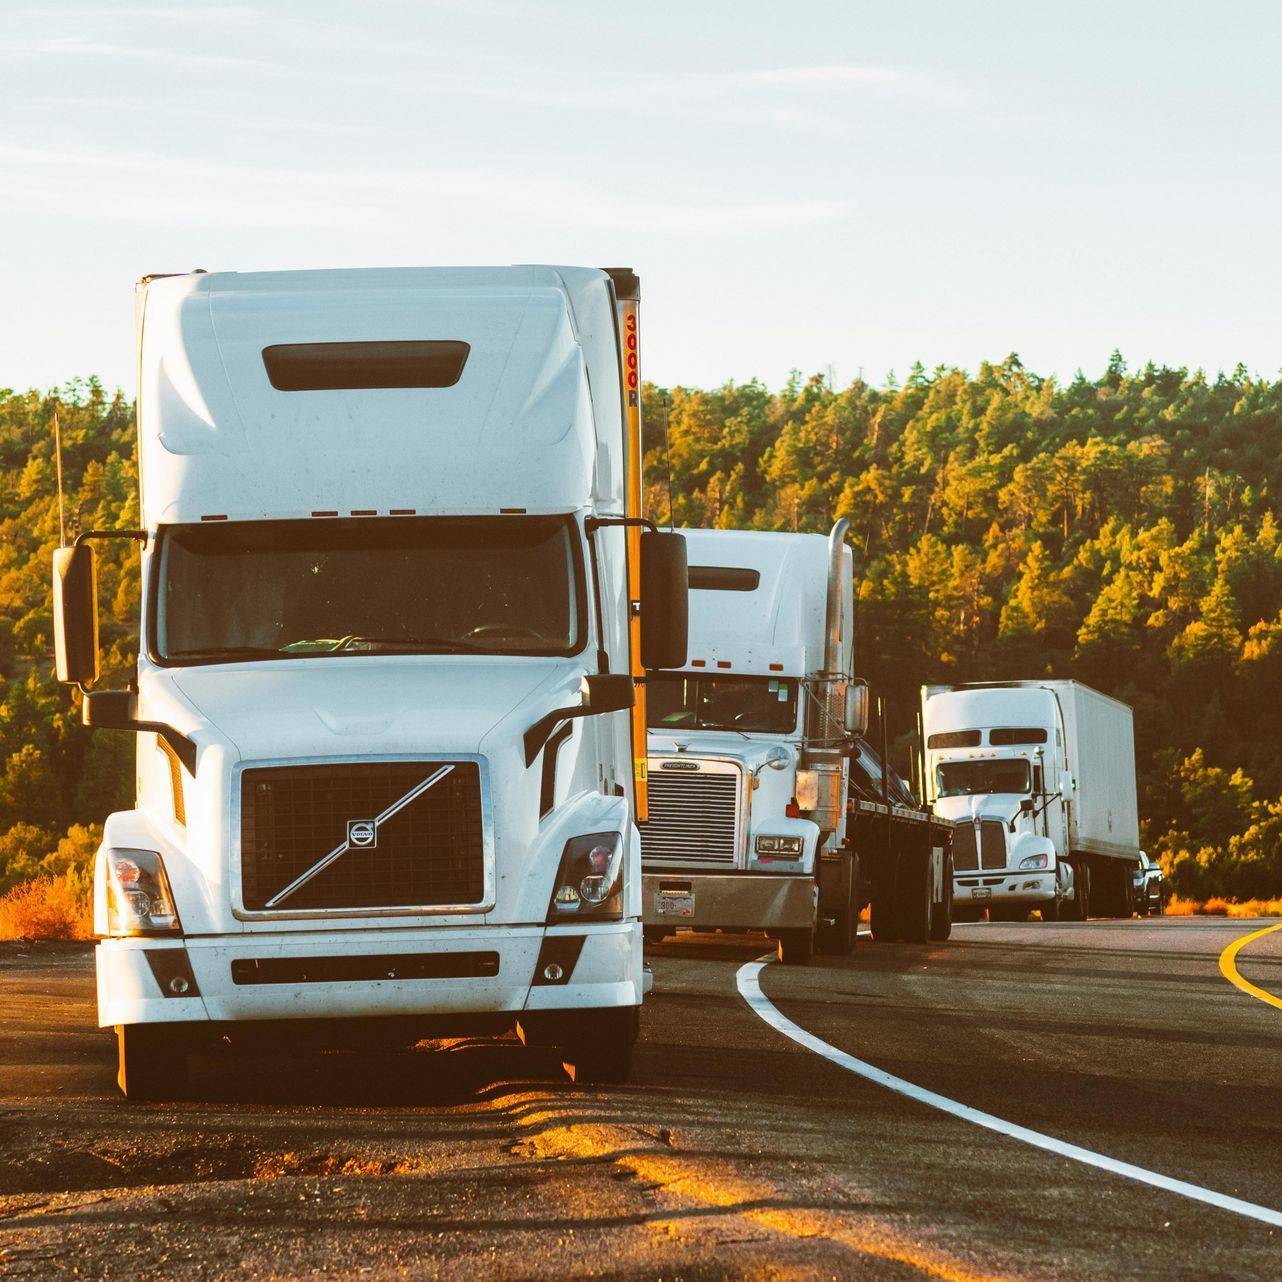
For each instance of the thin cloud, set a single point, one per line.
(155, 189)
(73, 47)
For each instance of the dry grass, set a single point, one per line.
(1177, 907)
(49, 908)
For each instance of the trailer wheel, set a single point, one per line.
(882, 920)
(603, 1051)
(796, 945)
(916, 903)
(941, 919)
(151, 1061)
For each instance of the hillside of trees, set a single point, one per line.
(1119, 530)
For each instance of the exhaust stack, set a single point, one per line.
(819, 788)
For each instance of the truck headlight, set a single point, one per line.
(1034, 861)
(589, 882)
(139, 901)
(789, 847)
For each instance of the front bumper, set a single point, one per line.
(1033, 886)
(607, 972)
(733, 901)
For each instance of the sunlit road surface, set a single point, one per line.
(734, 1153)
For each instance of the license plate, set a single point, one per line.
(674, 903)
(981, 892)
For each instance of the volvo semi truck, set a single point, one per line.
(768, 811)
(1040, 777)
(395, 593)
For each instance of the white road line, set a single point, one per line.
(750, 989)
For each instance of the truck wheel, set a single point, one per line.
(1078, 908)
(796, 945)
(152, 1061)
(882, 920)
(1126, 905)
(838, 938)
(916, 904)
(1050, 912)
(603, 1052)
(941, 920)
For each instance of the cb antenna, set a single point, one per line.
(667, 460)
(57, 449)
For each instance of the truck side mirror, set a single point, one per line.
(118, 710)
(608, 692)
(110, 710)
(75, 615)
(857, 699)
(665, 600)
(602, 692)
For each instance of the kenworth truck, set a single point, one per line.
(1040, 776)
(768, 811)
(392, 573)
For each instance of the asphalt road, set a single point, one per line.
(734, 1153)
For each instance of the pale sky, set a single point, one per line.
(817, 184)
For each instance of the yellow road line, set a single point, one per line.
(1228, 966)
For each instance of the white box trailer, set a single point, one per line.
(1045, 773)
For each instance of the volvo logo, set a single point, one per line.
(678, 765)
(361, 833)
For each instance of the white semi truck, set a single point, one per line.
(1040, 776)
(395, 596)
(767, 810)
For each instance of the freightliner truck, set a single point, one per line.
(395, 597)
(1040, 776)
(768, 812)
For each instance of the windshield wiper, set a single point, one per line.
(225, 652)
(436, 643)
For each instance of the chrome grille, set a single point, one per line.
(991, 850)
(992, 844)
(694, 817)
(430, 853)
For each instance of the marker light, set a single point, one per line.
(139, 900)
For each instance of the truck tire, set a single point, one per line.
(796, 945)
(603, 1051)
(882, 919)
(837, 939)
(941, 920)
(151, 1061)
(1078, 907)
(1126, 893)
(916, 903)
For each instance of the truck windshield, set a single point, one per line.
(404, 585)
(968, 778)
(677, 702)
